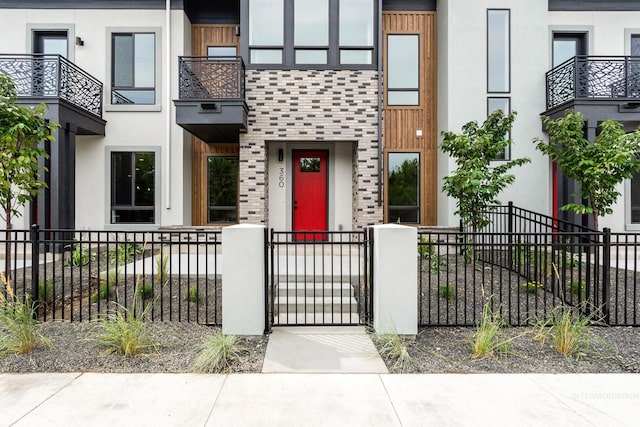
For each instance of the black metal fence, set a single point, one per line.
(319, 278)
(527, 264)
(81, 275)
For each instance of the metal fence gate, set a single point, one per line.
(320, 278)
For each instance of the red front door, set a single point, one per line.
(310, 194)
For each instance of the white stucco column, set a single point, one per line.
(243, 280)
(395, 279)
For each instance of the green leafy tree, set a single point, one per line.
(22, 129)
(476, 183)
(599, 166)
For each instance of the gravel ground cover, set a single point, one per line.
(75, 349)
(448, 350)
(433, 350)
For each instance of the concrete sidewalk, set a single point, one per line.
(318, 399)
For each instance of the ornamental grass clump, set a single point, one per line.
(568, 329)
(18, 334)
(218, 354)
(125, 331)
(489, 340)
(394, 348)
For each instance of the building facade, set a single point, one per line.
(306, 114)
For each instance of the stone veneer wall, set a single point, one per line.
(306, 106)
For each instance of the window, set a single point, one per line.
(133, 68)
(266, 31)
(222, 178)
(403, 187)
(222, 51)
(310, 33)
(403, 71)
(635, 199)
(132, 187)
(635, 45)
(498, 50)
(356, 31)
(504, 104)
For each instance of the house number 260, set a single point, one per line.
(281, 178)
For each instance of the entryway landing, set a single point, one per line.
(322, 349)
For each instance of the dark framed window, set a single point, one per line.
(133, 68)
(310, 33)
(222, 51)
(634, 204)
(498, 50)
(403, 188)
(133, 180)
(403, 69)
(222, 189)
(500, 103)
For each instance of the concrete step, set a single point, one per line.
(316, 318)
(311, 289)
(315, 305)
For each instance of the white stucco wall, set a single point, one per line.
(462, 89)
(124, 129)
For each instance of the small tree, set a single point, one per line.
(598, 166)
(21, 130)
(477, 182)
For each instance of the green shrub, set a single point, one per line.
(577, 287)
(193, 295)
(124, 252)
(489, 341)
(448, 292)
(162, 269)
(79, 256)
(531, 287)
(145, 291)
(567, 328)
(45, 290)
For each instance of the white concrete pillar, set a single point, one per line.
(243, 270)
(395, 279)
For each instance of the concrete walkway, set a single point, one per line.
(325, 349)
(75, 399)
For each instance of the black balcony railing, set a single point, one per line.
(207, 77)
(593, 77)
(53, 76)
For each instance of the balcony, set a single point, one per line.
(600, 87)
(211, 102)
(71, 94)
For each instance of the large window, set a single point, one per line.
(222, 178)
(133, 68)
(311, 33)
(403, 70)
(132, 187)
(635, 200)
(403, 187)
(498, 50)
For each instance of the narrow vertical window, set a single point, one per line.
(133, 68)
(403, 70)
(222, 204)
(504, 104)
(356, 31)
(635, 45)
(266, 31)
(311, 31)
(403, 187)
(132, 187)
(498, 50)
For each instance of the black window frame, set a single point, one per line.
(289, 48)
(418, 207)
(509, 51)
(507, 150)
(417, 89)
(211, 207)
(133, 206)
(114, 88)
